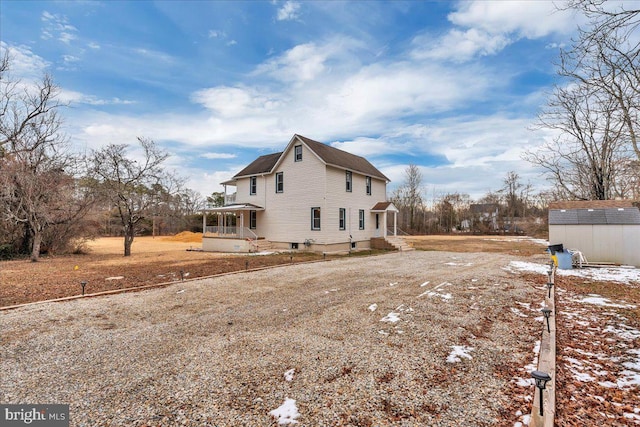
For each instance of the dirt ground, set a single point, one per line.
(161, 259)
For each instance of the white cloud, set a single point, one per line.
(214, 34)
(487, 27)
(214, 156)
(24, 63)
(289, 11)
(527, 18)
(93, 45)
(57, 26)
(73, 97)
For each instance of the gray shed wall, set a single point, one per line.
(619, 243)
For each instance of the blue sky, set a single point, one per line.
(453, 87)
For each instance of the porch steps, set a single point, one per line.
(399, 243)
(263, 245)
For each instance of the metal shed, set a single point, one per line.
(603, 230)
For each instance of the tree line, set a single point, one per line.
(52, 199)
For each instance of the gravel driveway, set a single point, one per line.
(362, 341)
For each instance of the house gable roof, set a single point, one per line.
(263, 164)
(335, 157)
(329, 155)
(594, 212)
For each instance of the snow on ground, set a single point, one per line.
(373, 307)
(288, 376)
(433, 293)
(392, 317)
(458, 352)
(610, 274)
(286, 413)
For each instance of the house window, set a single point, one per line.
(361, 218)
(315, 218)
(253, 185)
(252, 219)
(298, 153)
(294, 246)
(368, 183)
(343, 219)
(349, 179)
(279, 182)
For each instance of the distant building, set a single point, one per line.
(603, 230)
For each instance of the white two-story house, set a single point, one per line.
(311, 196)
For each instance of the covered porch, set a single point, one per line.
(233, 231)
(384, 209)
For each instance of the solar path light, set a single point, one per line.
(83, 284)
(549, 285)
(546, 312)
(541, 382)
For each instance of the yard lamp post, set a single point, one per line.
(83, 284)
(550, 273)
(182, 275)
(546, 312)
(541, 382)
(549, 285)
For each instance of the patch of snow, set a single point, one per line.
(288, 376)
(458, 352)
(424, 284)
(373, 307)
(180, 291)
(627, 333)
(286, 413)
(605, 302)
(455, 264)
(381, 332)
(392, 317)
(582, 376)
(436, 294)
(609, 274)
(393, 284)
(517, 312)
(114, 278)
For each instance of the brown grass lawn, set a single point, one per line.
(160, 260)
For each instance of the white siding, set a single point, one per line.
(242, 191)
(287, 217)
(600, 243)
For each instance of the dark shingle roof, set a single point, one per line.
(342, 159)
(262, 164)
(615, 215)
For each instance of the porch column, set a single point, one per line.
(395, 223)
(204, 222)
(384, 229)
(241, 225)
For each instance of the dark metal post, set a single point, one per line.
(541, 382)
(83, 284)
(546, 312)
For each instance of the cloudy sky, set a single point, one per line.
(453, 87)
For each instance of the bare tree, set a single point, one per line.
(582, 159)
(129, 184)
(38, 185)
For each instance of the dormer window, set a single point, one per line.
(349, 181)
(298, 153)
(253, 185)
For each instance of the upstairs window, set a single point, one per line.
(361, 218)
(349, 181)
(368, 185)
(279, 182)
(298, 153)
(315, 218)
(342, 219)
(253, 185)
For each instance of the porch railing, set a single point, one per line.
(231, 232)
(229, 199)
